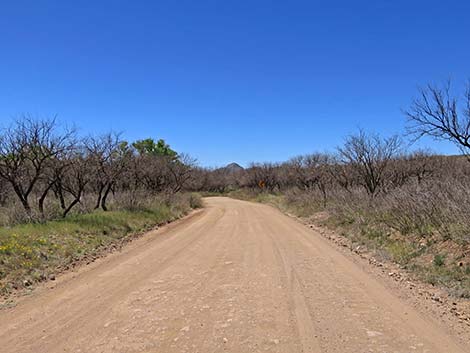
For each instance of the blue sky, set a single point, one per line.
(229, 80)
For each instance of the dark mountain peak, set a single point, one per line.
(233, 168)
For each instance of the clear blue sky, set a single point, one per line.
(229, 80)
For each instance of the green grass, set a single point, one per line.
(454, 278)
(439, 260)
(33, 252)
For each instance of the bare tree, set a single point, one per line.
(370, 156)
(437, 113)
(74, 179)
(52, 178)
(311, 171)
(26, 151)
(150, 172)
(264, 176)
(212, 180)
(342, 174)
(107, 154)
(180, 171)
(418, 165)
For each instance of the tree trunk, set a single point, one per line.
(60, 195)
(23, 199)
(42, 199)
(104, 198)
(26, 205)
(98, 201)
(325, 196)
(68, 209)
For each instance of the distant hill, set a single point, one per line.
(233, 168)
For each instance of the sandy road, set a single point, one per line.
(238, 277)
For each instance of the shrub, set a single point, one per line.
(439, 260)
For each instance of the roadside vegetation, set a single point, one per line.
(66, 199)
(410, 207)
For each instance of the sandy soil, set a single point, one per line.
(237, 277)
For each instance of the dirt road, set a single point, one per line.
(238, 277)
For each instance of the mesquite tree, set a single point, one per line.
(369, 156)
(27, 150)
(108, 155)
(440, 114)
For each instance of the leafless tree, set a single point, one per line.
(264, 176)
(180, 171)
(370, 155)
(108, 156)
(212, 180)
(150, 173)
(75, 178)
(418, 165)
(27, 148)
(342, 173)
(439, 114)
(311, 171)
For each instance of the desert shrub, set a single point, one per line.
(304, 202)
(439, 260)
(195, 200)
(437, 206)
(132, 200)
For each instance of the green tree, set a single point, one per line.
(150, 147)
